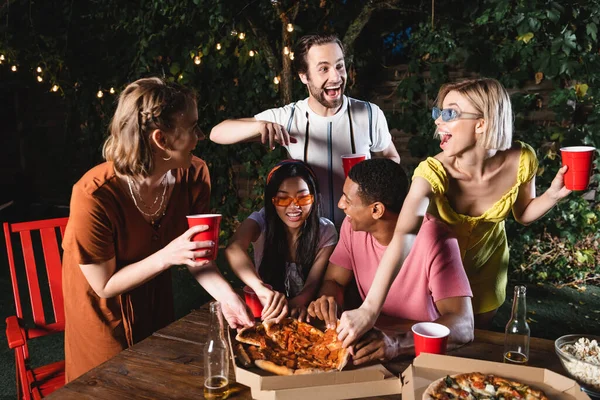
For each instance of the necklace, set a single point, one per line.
(159, 212)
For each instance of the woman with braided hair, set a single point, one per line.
(128, 227)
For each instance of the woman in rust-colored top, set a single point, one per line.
(128, 227)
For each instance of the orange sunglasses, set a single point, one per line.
(305, 200)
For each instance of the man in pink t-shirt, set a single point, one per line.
(431, 285)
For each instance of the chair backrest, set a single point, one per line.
(48, 231)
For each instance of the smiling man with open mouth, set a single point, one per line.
(324, 126)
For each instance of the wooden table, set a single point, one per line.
(168, 364)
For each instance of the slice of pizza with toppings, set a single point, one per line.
(329, 350)
(292, 335)
(254, 335)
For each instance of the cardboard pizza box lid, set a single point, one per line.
(389, 386)
(428, 367)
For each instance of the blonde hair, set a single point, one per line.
(491, 100)
(145, 105)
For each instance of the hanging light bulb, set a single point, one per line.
(290, 28)
(197, 60)
(218, 46)
(13, 68)
(291, 55)
(54, 88)
(251, 53)
(99, 94)
(112, 90)
(180, 77)
(39, 70)
(286, 50)
(2, 57)
(276, 80)
(234, 32)
(242, 36)
(40, 79)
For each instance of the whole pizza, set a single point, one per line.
(290, 347)
(479, 386)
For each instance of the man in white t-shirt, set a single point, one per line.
(321, 128)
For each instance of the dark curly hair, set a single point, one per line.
(381, 179)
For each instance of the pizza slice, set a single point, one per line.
(254, 335)
(329, 350)
(292, 335)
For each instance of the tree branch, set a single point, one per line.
(265, 47)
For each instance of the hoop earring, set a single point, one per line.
(167, 159)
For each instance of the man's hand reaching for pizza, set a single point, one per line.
(274, 304)
(324, 308)
(376, 345)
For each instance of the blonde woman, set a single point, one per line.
(472, 185)
(128, 227)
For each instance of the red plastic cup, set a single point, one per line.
(350, 160)
(253, 302)
(430, 337)
(579, 159)
(212, 233)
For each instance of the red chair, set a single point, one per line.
(35, 383)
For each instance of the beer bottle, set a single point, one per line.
(216, 357)
(517, 333)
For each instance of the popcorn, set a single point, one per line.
(586, 367)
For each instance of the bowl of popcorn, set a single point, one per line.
(580, 356)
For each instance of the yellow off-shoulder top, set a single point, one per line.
(482, 239)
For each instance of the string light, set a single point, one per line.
(99, 94)
(290, 28)
(112, 90)
(40, 79)
(286, 50)
(180, 77)
(251, 53)
(242, 36)
(219, 45)
(2, 57)
(291, 55)
(13, 68)
(54, 88)
(39, 70)
(234, 32)
(276, 80)
(197, 60)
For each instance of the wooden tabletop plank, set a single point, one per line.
(186, 331)
(143, 376)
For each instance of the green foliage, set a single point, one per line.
(92, 45)
(533, 48)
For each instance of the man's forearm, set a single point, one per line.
(235, 131)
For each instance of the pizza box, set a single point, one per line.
(349, 383)
(428, 367)
(388, 386)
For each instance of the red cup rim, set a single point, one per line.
(353, 155)
(432, 324)
(577, 149)
(204, 216)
